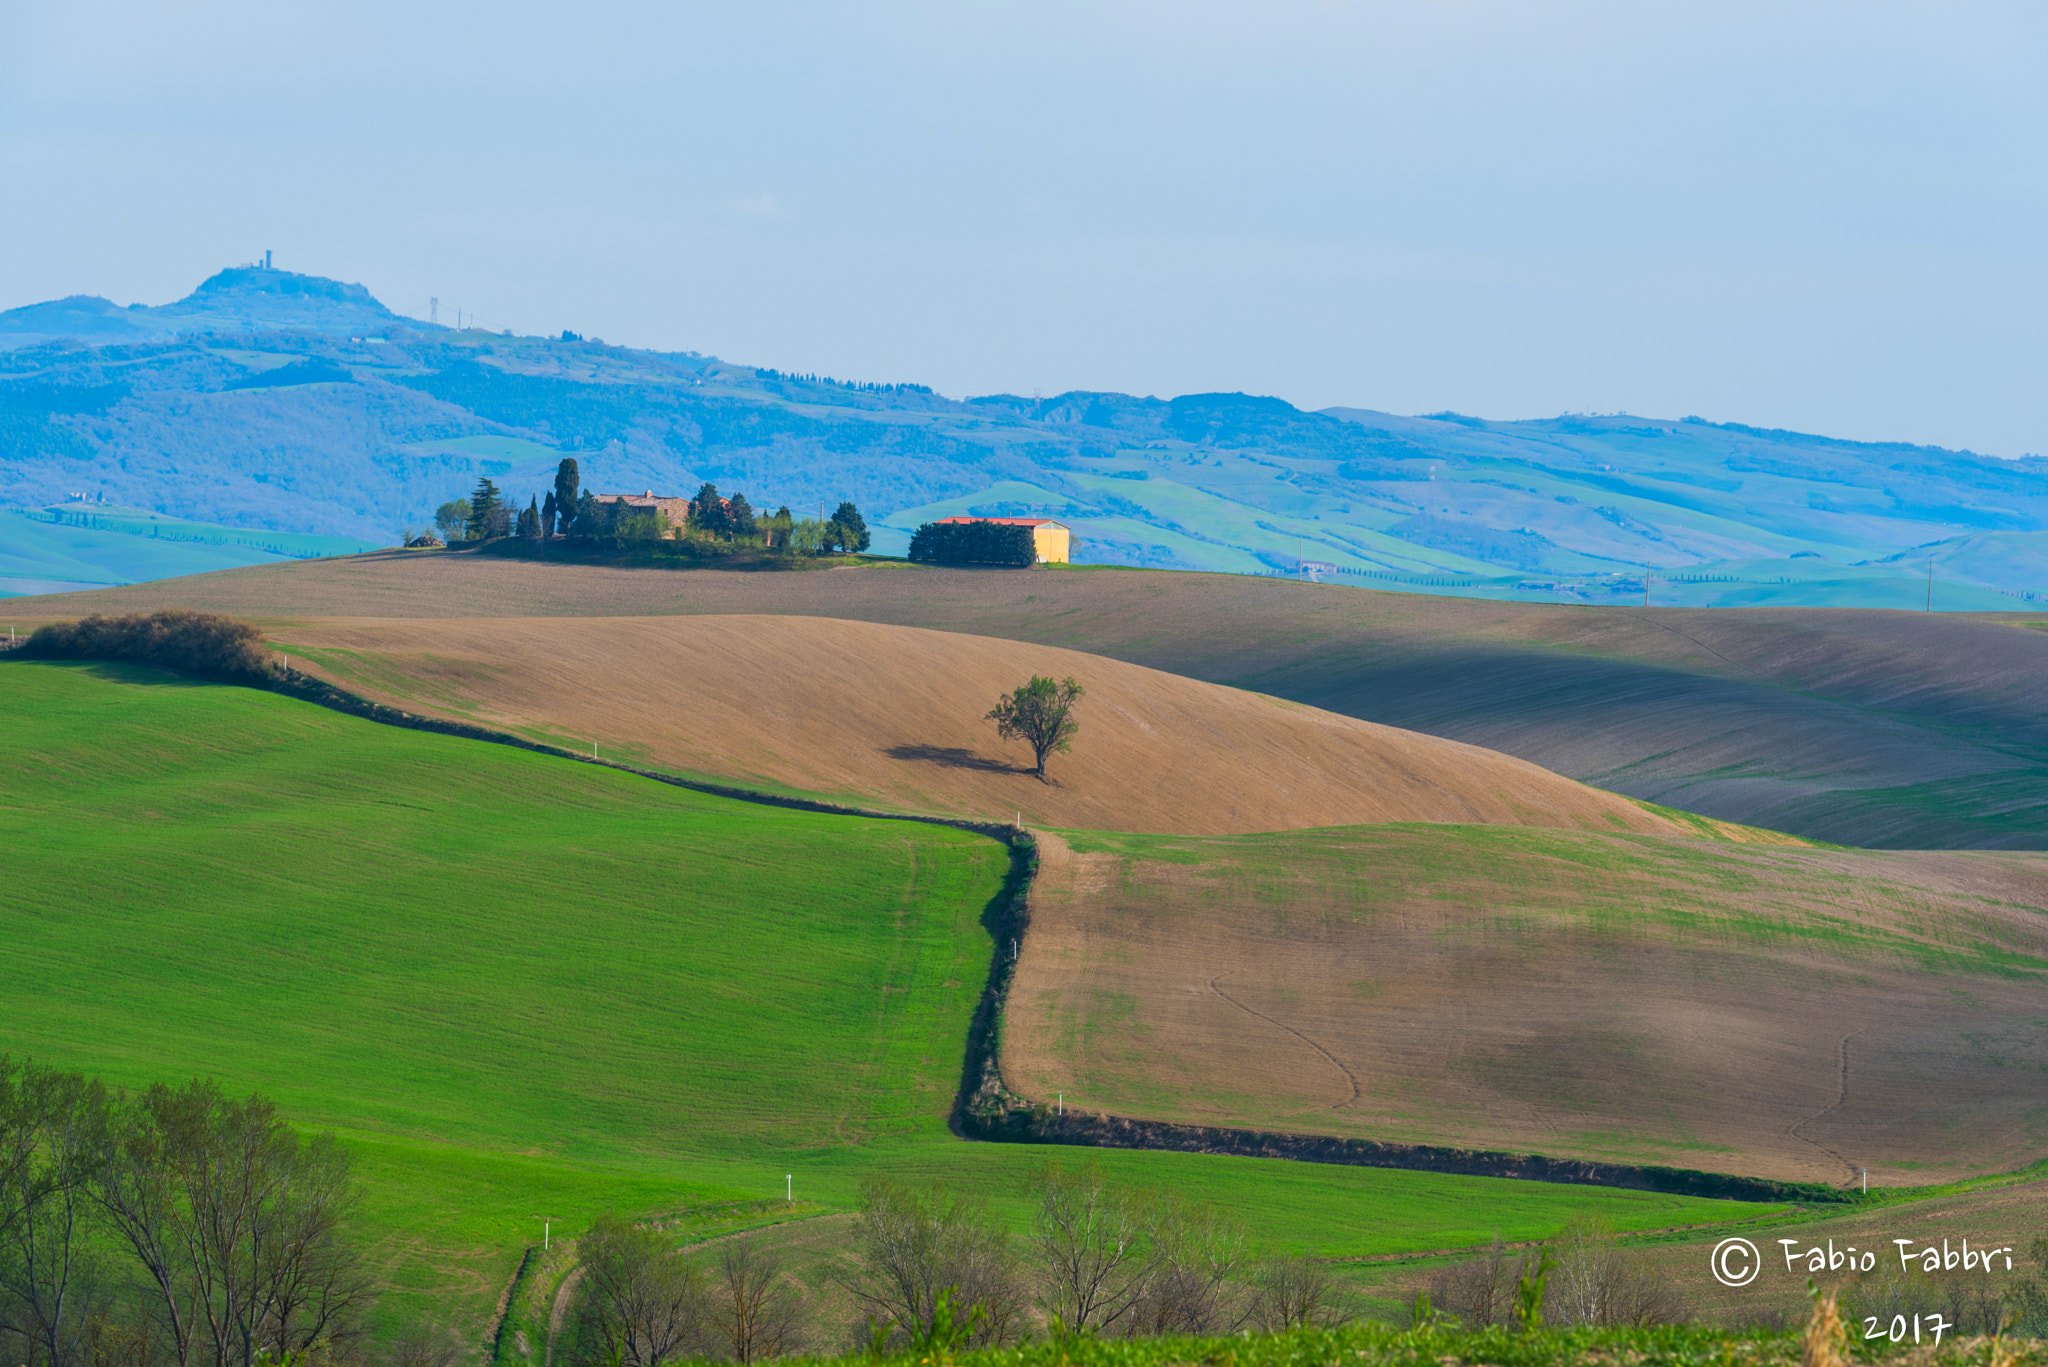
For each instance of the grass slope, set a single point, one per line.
(1890, 729)
(521, 986)
(1787, 1013)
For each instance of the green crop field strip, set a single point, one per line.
(518, 986)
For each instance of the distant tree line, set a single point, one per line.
(714, 523)
(174, 1227)
(858, 386)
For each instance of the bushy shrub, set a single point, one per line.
(973, 543)
(205, 645)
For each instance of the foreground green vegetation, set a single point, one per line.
(1374, 1345)
(517, 987)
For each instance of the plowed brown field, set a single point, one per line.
(1799, 1014)
(894, 716)
(1890, 729)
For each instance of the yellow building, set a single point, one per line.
(1054, 540)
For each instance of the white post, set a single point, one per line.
(547, 1235)
(1866, 1181)
(789, 1188)
(1063, 1103)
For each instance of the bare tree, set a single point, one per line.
(1089, 1234)
(1598, 1283)
(1478, 1294)
(757, 1308)
(1196, 1254)
(916, 1250)
(648, 1303)
(1295, 1293)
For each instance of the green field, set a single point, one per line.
(521, 986)
(74, 546)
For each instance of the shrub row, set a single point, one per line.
(204, 645)
(973, 543)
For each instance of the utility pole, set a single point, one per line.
(1930, 583)
(547, 1229)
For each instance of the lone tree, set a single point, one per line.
(1041, 714)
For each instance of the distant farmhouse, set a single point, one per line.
(1054, 540)
(677, 510)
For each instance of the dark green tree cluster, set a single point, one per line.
(973, 543)
(570, 510)
(205, 645)
(174, 1226)
(847, 531)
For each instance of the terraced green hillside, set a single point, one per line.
(520, 986)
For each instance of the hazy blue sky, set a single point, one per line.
(1822, 216)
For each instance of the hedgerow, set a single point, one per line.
(204, 645)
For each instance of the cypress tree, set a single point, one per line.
(568, 482)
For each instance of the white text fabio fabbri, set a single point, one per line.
(1927, 1257)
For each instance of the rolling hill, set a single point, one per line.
(1887, 729)
(892, 717)
(73, 547)
(515, 984)
(279, 401)
(1798, 1014)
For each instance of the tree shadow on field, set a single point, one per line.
(124, 672)
(954, 757)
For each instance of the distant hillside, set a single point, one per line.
(267, 399)
(86, 546)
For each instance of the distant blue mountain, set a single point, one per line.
(271, 400)
(238, 299)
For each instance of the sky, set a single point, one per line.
(1827, 217)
